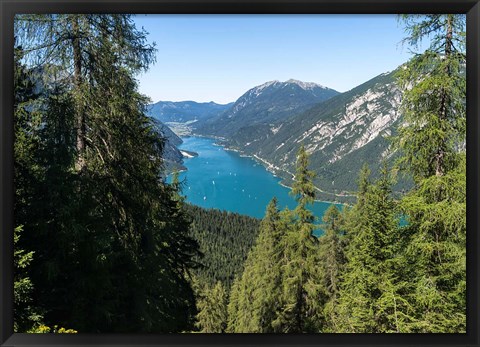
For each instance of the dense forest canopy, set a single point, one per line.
(104, 244)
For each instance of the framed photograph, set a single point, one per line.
(224, 173)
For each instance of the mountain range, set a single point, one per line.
(272, 101)
(340, 131)
(340, 134)
(185, 111)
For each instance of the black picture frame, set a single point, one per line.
(10, 7)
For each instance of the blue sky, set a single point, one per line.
(219, 57)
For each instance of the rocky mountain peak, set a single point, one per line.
(305, 85)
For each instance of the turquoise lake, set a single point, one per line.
(225, 180)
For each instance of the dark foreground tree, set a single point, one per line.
(111, 241)
(26, 315)
(73, 46)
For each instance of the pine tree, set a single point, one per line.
(372, 293)
(300, 311)
(268, 268)
(434, 91)
(432, 141)
(254, 298)
(436, 227)
(240, 310)
(279, 290)
(233, 306)
(212, 310)
(331, 262)
(26, 315)
(304, 191)
(76, 43)
(114, 236)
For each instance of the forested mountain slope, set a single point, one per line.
(340, 134)
(225, 238)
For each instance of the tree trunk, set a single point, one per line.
(79, 108)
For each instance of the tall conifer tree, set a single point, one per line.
(212, 309)
(114, 235)
(254, 298)
(73, 44)
(434, 90)
(432, 141)
(371, 294)
(300, 273)
(331, 262)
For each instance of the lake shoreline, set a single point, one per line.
(235, 182)
(268, 166)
